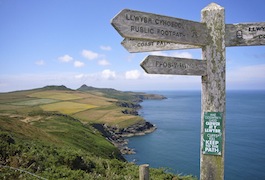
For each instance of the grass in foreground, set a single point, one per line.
(60, 147)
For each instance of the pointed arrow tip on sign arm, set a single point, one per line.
(143, 64)
(118, 21)
(115, 22)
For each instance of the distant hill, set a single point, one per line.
(84, 87)
(121, 95)
(52, 87)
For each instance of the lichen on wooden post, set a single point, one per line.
(213, 87)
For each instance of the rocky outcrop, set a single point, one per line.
(138, 129)
(131, 108)
(128, 104)
(117, 135)
(130, 111)
(150, 96)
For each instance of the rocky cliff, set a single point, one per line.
(117, 135)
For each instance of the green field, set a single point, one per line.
(55, 94)
(34, 102)
(109, 115)
(67, 107)
(89, 107)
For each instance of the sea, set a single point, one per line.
(175, 145)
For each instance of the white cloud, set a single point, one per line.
(105, 48)
(65, 58)
(133, 74)
(90, 55)
(108, 74)
(182, 54)
(79, 76)
(40, 62)
(248, 77)
(79, 64)
(254, 72)
(159, 53)
(103, 62)
(106, 78)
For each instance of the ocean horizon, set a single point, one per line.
(175, 145)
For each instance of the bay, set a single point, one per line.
(175, 145)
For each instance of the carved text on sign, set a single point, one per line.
(140, 45)
(141, 25)
(173, 65)
(245, 34)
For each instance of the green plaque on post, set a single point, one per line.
(212, 133)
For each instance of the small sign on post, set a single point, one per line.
(212, 133)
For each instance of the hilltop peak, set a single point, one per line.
(53, 87)
(84, 87)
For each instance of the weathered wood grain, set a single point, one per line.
(142, 25)
(213, 88)
(173, 65)
(245, 34)
(141, 45)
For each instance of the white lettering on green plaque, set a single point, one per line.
(213, 133)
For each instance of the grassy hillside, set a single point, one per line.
(89, 107)
(121, 95)
(46, 133)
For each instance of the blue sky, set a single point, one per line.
(71, 42)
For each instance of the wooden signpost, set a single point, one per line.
(142, 25)
(245, 34)
(173, 65)
(142, 45)
(151, 32)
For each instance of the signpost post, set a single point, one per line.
(213, 89)
(151, 32)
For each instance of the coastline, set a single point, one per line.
(118, 136)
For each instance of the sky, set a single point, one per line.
(72, 42)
